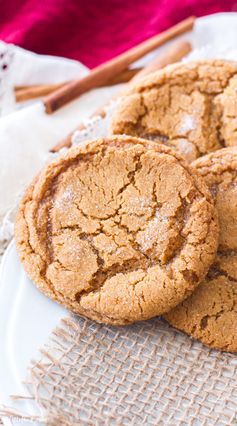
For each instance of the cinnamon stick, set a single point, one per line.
(122, 77)
(173, 54)
(176, 51)
(104, 72)
(25, 93)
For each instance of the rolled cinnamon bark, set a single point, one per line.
(25, 93)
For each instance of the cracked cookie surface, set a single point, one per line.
(191, 107)
(210, 313)
(117, 230)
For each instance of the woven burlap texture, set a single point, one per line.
(143, 374)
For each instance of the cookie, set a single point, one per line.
(117, 230)
(210, 313)
(191, 107)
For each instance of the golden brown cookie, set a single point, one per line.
(191, 107)
(117, 230)
(210, 313)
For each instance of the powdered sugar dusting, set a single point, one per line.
(64, 198)
(187, 124)
(147, 237)
(140, 205)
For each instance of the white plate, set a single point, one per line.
(26, 319)
(26, 316)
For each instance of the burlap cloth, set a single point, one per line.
(143, 374)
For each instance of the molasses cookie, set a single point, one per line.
(210, 313)
(191, 107)
(117, 230)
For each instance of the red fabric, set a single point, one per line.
(93, 31)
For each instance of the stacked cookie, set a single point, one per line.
(190, 107)
(123, 229)
(210, 313)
